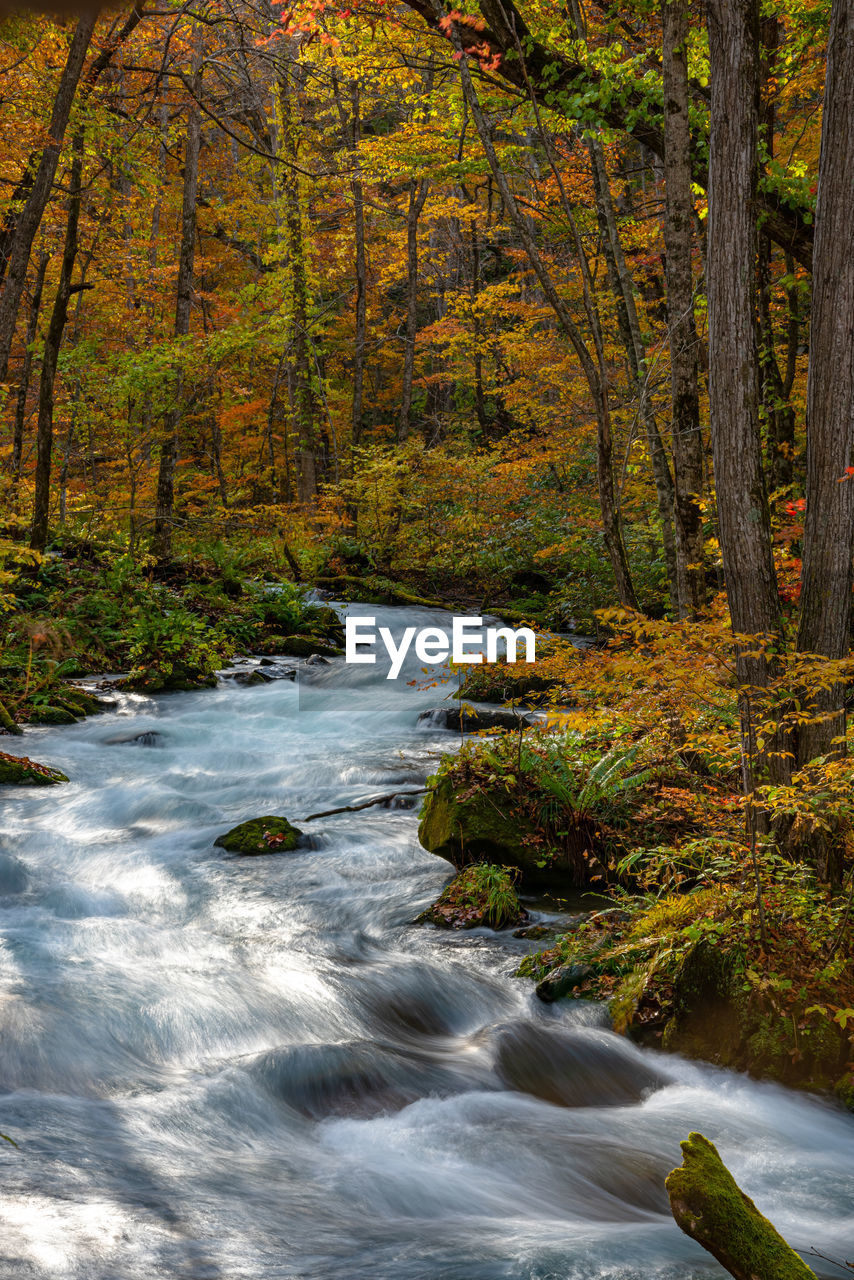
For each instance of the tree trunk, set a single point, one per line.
(26, 369)
(745, 531)
(351, 131)
(165, 502)
(682, 333)
(19, 240)
(829, 521)
(417, 196)
(361, 274)
(629, 326)
(306, 410)
(53, 342)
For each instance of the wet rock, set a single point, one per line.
(536, 932)
(317, 660)
(82, 702)
(261, 835)
(250, 677)
(488, 827)
(479, 897)
(52, 715)
(150, 738)
(13, 875)
(307, 647)
(474, 719)
(362, 1078)
(563, 981)
(714, 1019)
(577, 1068)
(20, 771)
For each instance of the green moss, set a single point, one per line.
(306, 646)
(709, 1206)
(52, 715)
(19, 771)
(474, 827)
(844, 1090)
(481, 895)
(261, 835)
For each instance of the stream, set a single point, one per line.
(223, 1068)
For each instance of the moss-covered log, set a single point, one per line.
(709, 1206)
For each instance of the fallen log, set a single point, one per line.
(709, 1206)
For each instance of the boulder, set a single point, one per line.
(19, 771)
(475, 719)
(52, 715)
(249, 677)
(563, 981)
(261, 835)
(479, 897)
(475, 826)
(716, 1020)
(307, 646)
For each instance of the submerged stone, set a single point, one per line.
(261, 835)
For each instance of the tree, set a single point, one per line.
(829, 521)
(742, 505)
(165, 509)
(681, 329)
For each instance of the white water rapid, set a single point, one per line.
(222, 1068)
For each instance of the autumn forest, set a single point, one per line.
(536, 311)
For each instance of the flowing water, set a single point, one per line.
(221, 1068)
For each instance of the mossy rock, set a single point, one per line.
(323, 619)
(714, 1019)
(52, 715)
(497, 687)
(150, 680)
(307, 646)
(19, 771)
(85, 703)
(844, 1090)
(261, 835)
(470, 901)
(481, 827)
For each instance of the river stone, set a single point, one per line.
(562, 981)
(150, 738)
(52, 715)
(536, 932)
(261, 835)
(20, 771)
(474, 719)
(307, 647)
(579, 1068)
(250, 677)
